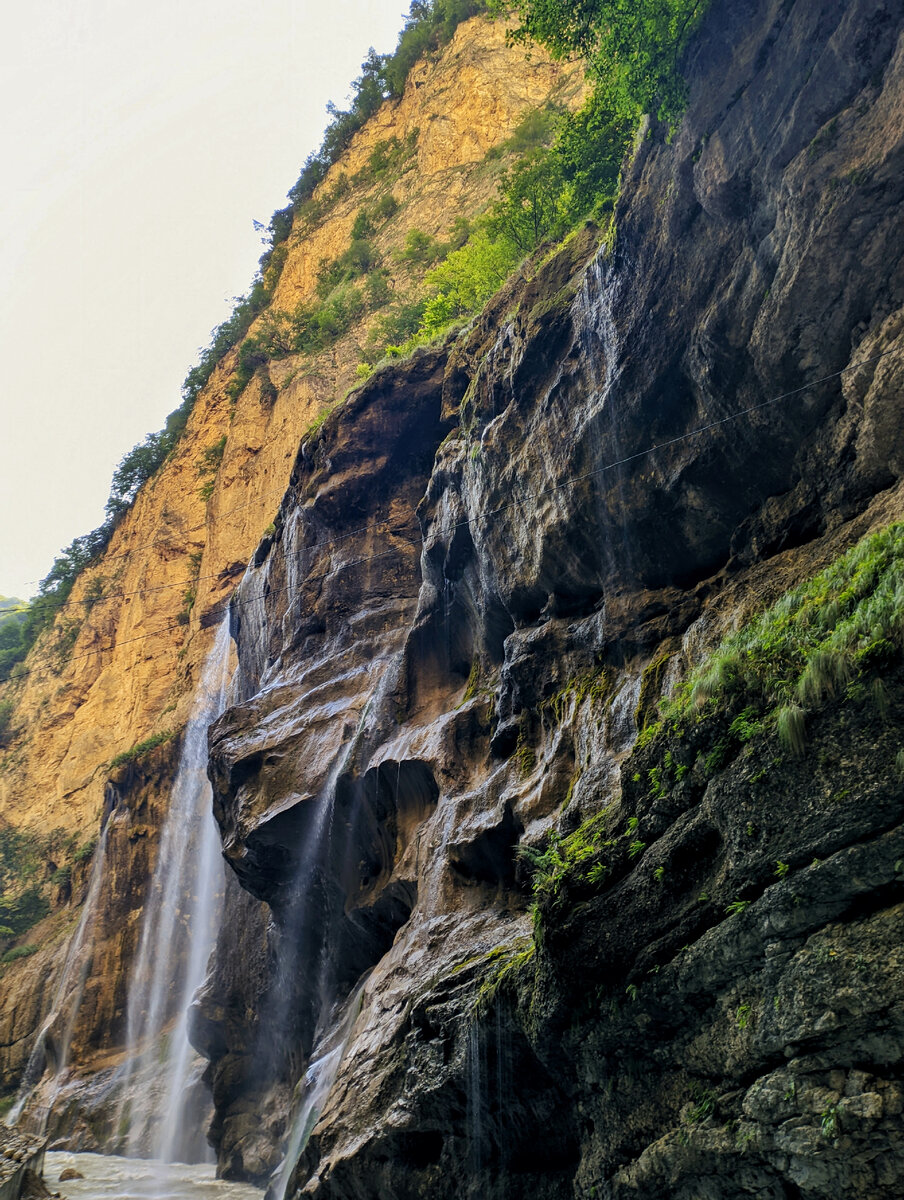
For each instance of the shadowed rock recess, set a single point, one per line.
(490, 564)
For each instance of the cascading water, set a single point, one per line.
(600, 352)
(314, 1089)
(52, 1045)
(476, 1074)
(179, 928)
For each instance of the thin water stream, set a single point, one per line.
(314, 1088)
(52, 1045)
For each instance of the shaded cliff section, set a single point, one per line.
(488, 565)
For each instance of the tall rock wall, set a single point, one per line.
(488, 566)
(120, 667)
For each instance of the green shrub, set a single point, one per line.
(575, 859)
(847, 620)
(7, 708)
(832, 636)
(536, 128)
(20, 911)
(395, 326)
(357, 260)
(632, 49)
(318, 325)
(387, 206)
(463, 283)
(363, 226)
(211, 457)
(18, 952)
(421, 249)
(377, 289)
(141, 748)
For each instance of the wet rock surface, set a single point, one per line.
(489, 565)
(21, 1161)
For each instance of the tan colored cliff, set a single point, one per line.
(119, 669)
(130, 670)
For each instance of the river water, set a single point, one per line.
(105, 1175)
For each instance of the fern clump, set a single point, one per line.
(574, 859)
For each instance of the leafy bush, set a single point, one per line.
(378, 289)
(318, 325)
(533, 203)
(358, 259)
(632, 49)
(385, 208)
(7, 708)
(18, 952)
(19, 912)
(575, 859)
(141, 748)
(394, 327)
(819, 635)
(363, 226)
(19, 856)
(422, 249)
(463, 283)
(211, 457)
(536, 128)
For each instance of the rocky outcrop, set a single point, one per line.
(489, 564)
(21, 1163)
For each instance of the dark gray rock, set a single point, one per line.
(489, 564)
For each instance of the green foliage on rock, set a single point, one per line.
(632, 47)
(576, 859)
(7, 708)
(18, 952)
(140, 749)
(831, 638)
(465, 280)
(836, 630)
(34, 869)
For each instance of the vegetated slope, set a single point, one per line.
(92, 719)
(610, 949)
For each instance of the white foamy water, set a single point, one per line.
(179, 927)
(105, 1175)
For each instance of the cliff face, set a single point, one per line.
(123, 661)
(489, 564)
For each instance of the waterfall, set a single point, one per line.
(475, 1110)
(179, 927)
(601, 353)
(313, 1089)
(54, 1039)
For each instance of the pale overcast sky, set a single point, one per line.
(140, 140)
